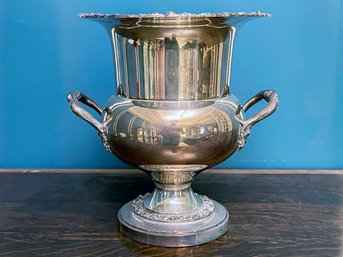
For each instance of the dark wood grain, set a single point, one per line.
(74, 214)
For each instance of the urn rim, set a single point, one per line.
(171, 15)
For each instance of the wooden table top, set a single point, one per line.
(73, 213)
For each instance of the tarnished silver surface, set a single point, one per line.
(173, 116)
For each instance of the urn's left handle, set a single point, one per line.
(74, 98)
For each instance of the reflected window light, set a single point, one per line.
(178, 115)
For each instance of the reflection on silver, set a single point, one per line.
(194, 135)
(172, 68)
(173, 116)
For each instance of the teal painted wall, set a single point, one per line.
(45, 52)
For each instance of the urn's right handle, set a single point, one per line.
(271, 97)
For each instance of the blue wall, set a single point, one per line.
(45, 52)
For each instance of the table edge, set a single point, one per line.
(219, 171)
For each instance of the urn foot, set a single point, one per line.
(202, 225)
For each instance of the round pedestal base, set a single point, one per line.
(173, 233)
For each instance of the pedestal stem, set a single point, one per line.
(173, 193)
(175, 201)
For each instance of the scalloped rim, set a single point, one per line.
(174, 15)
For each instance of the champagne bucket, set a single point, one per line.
(173, 116)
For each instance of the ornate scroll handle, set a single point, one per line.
(74, 98)
(269, 96)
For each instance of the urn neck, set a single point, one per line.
(187, 63)
(173, 56)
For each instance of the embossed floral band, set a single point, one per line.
(173, 116)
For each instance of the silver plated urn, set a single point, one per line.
(173, 116)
